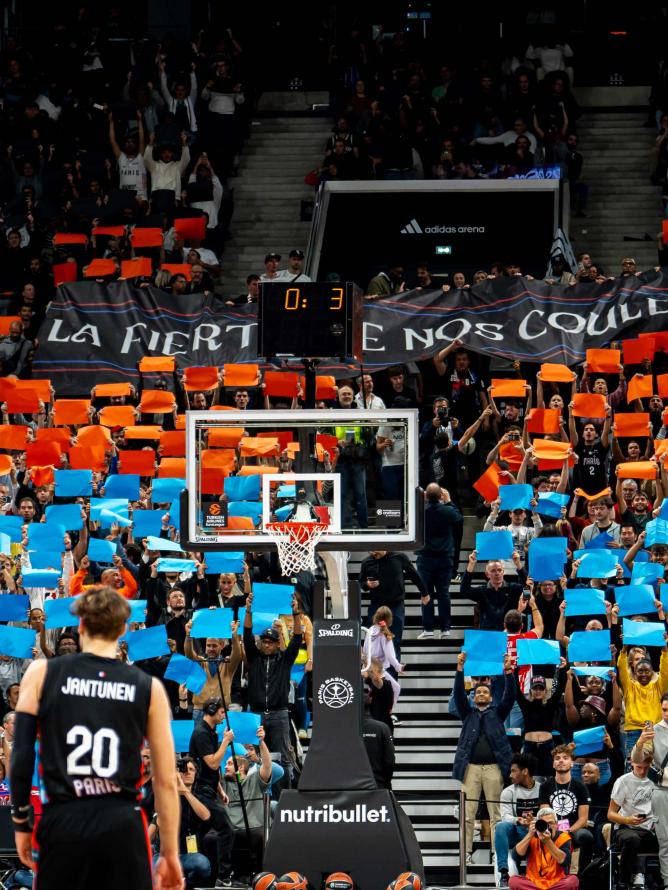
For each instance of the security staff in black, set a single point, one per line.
(208, 753)
(92, 713)
(269, 685)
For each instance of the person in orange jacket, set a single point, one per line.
(118, 578)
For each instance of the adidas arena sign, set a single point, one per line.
(359, 814)
(414, 228)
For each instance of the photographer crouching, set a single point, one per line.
(548, 854)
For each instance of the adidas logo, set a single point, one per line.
(413, 228)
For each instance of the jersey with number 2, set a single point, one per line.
(92, 724)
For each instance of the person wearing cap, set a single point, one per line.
(269, 683)
(271, 272)
(294, 271)
(539, 710)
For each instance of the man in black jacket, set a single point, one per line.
(382, 575)
(269, 685)
(435, 562)
(496, 596)
(379, 746)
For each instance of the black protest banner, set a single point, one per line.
(107, 329)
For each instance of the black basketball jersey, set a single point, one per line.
(92, 724)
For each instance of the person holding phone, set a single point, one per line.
(630, 811)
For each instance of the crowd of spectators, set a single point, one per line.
(155, 147)
(404, 114)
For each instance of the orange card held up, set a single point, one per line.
(218, 459)
(256, 447)
(660, 447)
(143, 431)
(157, 363)
(662, 385)
(42, 475)
(107, 390)
(190, 228)
(660, 340)
(637, 351)
(140, 462)
(325, 387)
(639, 387)
(110, 231)
(94, 436)
(172, 467)
(6, 321)
(604, 361)
(200, 379)
(172, 443)
(63, 273)
(43, 454)
(587, 404)
(117, 415)
(637, 469)
(100, 268)
(225, 437)
(632, 424)
(512, 455)
(281, 383)
(52, 434)
(556, 373)
(241, 375)
(212, 480)
(20, 401)
(71, 411)
(87, 457)
(140, 267)
(548, 450)
(544, 420)
(69, 238)
(283, 437)
(149, 237)
(255, 470)
(156, 401)
(13, 438)
(488, 484)
(509, 389)
(6, 464)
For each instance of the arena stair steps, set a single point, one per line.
(268, 194)
(623, 203)
(427, 736)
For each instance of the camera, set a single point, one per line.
(182, 764)
(526, 594)
(300, 496)
(514, 435)
(443, 415)
(542, 826)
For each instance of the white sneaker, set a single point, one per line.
(638, 880)
(426, 635)
(437, 634)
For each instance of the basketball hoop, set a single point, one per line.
(296, 543)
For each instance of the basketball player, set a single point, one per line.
(92, 714)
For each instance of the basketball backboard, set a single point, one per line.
(354, 471)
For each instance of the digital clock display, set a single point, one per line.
(309, 320)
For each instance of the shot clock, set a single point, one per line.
(309, 320)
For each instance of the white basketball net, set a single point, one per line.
(296, 543)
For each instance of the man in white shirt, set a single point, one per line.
(510, 136)
(630, 811)
(295, 265)
(365, 397)
(271, 272)
(166, 173)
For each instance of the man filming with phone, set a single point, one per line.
(548, 854)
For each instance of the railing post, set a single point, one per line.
(267, 819)
(462, 838)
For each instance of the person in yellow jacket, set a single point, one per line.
(642, 694)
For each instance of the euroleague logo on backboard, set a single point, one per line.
(336, 693)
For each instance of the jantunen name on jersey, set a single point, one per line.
(99, 689)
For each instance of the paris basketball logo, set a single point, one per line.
(335, 693)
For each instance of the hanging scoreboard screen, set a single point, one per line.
(309, 320)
